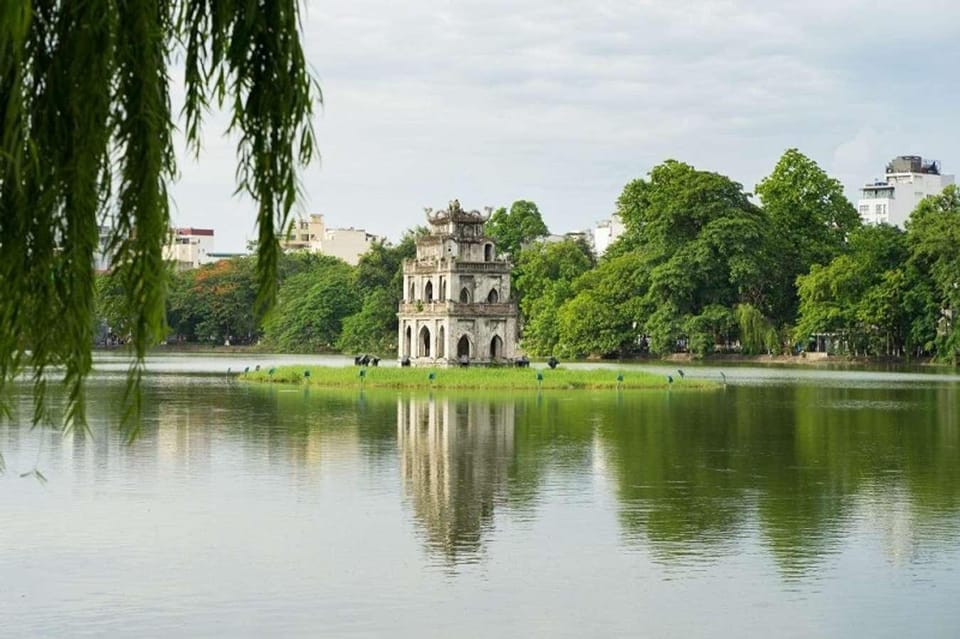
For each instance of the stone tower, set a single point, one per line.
(456, 305)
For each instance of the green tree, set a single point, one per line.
(311, 308)
(516, 228)
(111, 306)
(853, 297)
(757, 335)
(934, 237)
(378, 280)
(214, 303)
(543, 281)
(86, 130)
(372, 329)
(603, 316)
(704, 246)
(811, 220)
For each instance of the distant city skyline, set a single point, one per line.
(563, 104)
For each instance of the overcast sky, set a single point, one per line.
(564, 102)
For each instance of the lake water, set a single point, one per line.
(789, 503)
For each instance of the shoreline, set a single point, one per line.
(426, 378)
(801, 361)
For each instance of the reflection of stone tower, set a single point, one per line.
(456, 294)
(454, 457)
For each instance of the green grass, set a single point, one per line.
(468, 378)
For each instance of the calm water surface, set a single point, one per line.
(810, 503)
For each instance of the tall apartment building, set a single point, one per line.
(312, 234)
(909, 179)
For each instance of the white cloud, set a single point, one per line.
(563, 103)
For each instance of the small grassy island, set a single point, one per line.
(472, 378)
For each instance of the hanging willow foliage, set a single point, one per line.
(87, 141)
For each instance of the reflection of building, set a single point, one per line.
(456, 294)
(454, 458)
(312, 234)
(908, 180)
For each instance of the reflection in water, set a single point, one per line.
(642, 504)
(698, 476)
(454, 455)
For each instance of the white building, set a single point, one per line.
(188, 247)
(909, 179)
(605, 233)
(312, 234)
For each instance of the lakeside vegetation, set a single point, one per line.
(701, 269)
(474, 378)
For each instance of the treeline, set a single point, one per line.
(701, 268)
(323, 303)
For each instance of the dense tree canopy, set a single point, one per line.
(513, 229)
(214, 303)
(379, 284)
(810, 219)
(602, 317)
(87, 131)
(934, 237)
(705, 247)
(312, 307)
(872, 300)
(543, 281)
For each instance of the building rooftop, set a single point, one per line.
(913, 164)
(188, 230)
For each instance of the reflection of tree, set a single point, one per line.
(805, 463)
(184, 422)
(454, 456)
(679, 472)
(797, 469)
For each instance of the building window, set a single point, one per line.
(496, 347)
(864, 209)
(424, 342)
(463, 347)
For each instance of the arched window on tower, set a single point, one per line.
(493, 297)
(428, 291)
(463, 347)
(488, 252)
(496, 347)
(424, 342)
(465, 295)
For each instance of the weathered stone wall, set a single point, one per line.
(456, 296)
